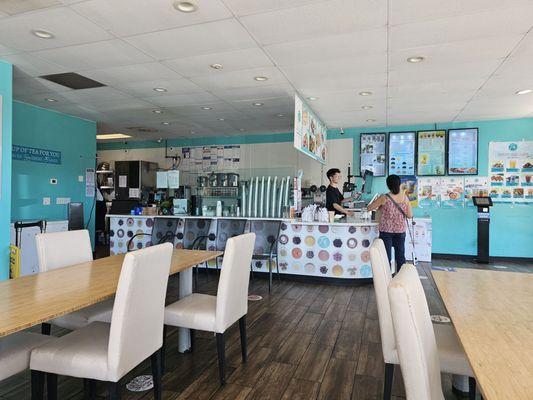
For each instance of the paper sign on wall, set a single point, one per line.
(173, 179)
(89, 182)
(122, 181)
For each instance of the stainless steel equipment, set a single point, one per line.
(222, 179)
(233, 179)
(213, 180)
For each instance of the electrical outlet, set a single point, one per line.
(53, 181)
(80, 178)
(62, 200)
(46, 201)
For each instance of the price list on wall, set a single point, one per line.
(373, 153)
(402, 153)
(431, 153)
(462, 151)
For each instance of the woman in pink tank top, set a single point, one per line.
(392, 222)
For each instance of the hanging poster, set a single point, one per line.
(373, 153)
(429, 192)
(511, 171)
(402, 153)
(431, 153)
(310, 133)
(409, 185)
(452, 192)
(475, 187)
(462, 151)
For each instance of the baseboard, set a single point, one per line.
(468, 257)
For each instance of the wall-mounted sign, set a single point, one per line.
(462, 151)
(402, 153)
(24, 153)
(373, 153)
(431, 153)
(310, 133)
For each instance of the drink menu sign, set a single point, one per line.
(402, 153)
(431, 153)
(373, 153)
(462, 151)
(310, 133)
(511, 171)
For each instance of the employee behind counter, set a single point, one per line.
(334, 198)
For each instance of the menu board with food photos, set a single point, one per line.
(452, 192)
(462, 151)
(511, 171)
(402, 153)
(475, 187)
(310, 133)
(431, 153)
(429, 192)
(373, 153)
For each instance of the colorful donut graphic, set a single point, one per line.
(284, 239)
(337, 270)
(323, 269)
(352, 256)
(351, 243)
(120, 222)
(310, 254)
(120, 244)
(310, 241)
(296, 240)
(337, 243)
(352, 271)
(323, 242)
(179, 236)
(283, 266)
(283, 226)
(140, 222)
(179, 245)
(296, 253)
(296, 228)
(149, 222)
(323, 255)
(337, 256)
(323, 229)
(366, 230)
(296, 266)
(365, 243)
(365, 256)
(309, 268)
(111, 233)
(283, 253)
(130, 234)
(365, 271)
(310, 228)
(139, 245)
(352, 230)
(120, 233)
(139, 232)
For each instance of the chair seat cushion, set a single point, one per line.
(15, 351)
(196, 311)
(101, 312)
(81, 353)
(451, 355)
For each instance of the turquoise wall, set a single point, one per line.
(454, 230)
(6, 79)
(75, 138)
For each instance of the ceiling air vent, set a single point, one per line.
(73, 80)
(142, 129)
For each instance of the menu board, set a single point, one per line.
(310, 133)
(462, 151)
(431, 153)
(402, 153)
(452, 192)
(475, 187)
(511, 171)
(373, 153)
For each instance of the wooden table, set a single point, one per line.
(33, 299)
(492, 312)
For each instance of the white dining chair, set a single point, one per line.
(452, 357)
(107, 352)
(217, 313)
(15, 352)
(64, 249)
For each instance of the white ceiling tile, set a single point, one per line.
(95, 95)
(145, 88)
(39, 99)
(231, 61)
(27, 65)
(12, 7)
(131, 17)
(356, 44)
(320, 19)
(212, 37)
(176, 100)
(68, 28)
(492, 23)
(25, 86)
(104, 54)
(4, 50)
(255, 92)
(240, 79)
(245, 7)
(132, 73)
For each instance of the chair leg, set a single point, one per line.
(387, 384)
(277, 267)
(46, 328)
(193, 339)
(114, 390)
(156, 373)
(252, 269)
(51, 386)
(269, 274)
(163, 348)
(37, 385)
(244, 341)
(89, 389)
(471, 388)
(206, 269)
(221, 349)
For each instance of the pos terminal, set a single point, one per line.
(483, 205)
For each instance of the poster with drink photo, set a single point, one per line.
(475, 187)
(452, 192)
(511, 171)
(429, 192)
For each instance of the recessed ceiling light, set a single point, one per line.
(185, 6)
(312, 98)
(257, 104)
(525, 91)
(165, 123)
(367, 107)
(371, 120)
(242, 129)
(112, 136)
(51, 100)
(207, 108)
(157, 111)
(261, 78)
(216, 66)
(365, 93)
(193, 132)
(41, 34)
(159, 89)
(221, 119)
(415, 60)
(281, 115)
(159, 140)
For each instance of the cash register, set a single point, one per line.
(483, 205)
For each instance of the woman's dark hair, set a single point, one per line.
(393, 183)
(332, 172)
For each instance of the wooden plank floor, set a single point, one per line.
(306, 341)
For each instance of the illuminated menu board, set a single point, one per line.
(462, 151)
(373, 153)
(431, 153)
(402, 153)
(310, 133)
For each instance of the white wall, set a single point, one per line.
(273, 156)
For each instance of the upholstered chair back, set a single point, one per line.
(62, 249)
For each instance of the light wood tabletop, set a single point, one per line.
(33, 299)
(492, 312)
